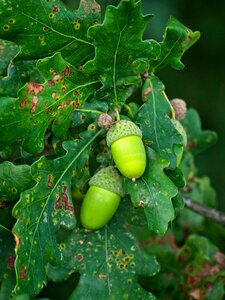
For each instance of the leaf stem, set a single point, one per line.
(208, 212)
(89, 110)
(171, 107)
(127, 107)
(117, 115)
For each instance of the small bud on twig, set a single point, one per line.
(104, 121)
(179, 107)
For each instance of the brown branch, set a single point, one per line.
(208, 212)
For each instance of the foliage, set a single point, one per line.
(60, 70)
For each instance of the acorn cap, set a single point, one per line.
(122, 129)
(109, 179)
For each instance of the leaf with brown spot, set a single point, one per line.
(109, 260)
(40, 104)
(50, 28)
(7, 258)
(177, 39)
(121, 54)
(43, 209)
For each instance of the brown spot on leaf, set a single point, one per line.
(58, 204)
(66, 71)
(122, 266)
(51, 82)
(6, 27)
(77, 103)
(147, 91)
(50, 181)
(64, 105)
(55, 9)
(23, 103)
(57, 78)
(23, 273)
(10, 261)
(54, 94)
(65, 200)
(80, 257)
(102, 276)
(34, 104)
(34, 88)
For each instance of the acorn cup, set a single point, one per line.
(127, 147)
(102, 198)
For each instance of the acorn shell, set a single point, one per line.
(129, 156)
(128, 150)
(98, 207)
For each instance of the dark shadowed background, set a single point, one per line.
(202, 82)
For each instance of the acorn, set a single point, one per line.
(179, 148)
(127, 147)
(102, 198)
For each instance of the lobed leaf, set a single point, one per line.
(18, 74)
(121, 55)
(177, 40)
(109, 260)
(49, 26)
(198, 140)
(39, 104)
(154, 192)
(155, 123)
(42, 210)
(14, 180)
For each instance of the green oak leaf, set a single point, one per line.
(43, 209)
(198, 140)
(155, 123)
(7, 258)
(154, 192)
(19, 73)
(49, 26)
(176, 176)
(39, 104)
(109, 260)
(176, 40)
(121, 55)
(14, 180)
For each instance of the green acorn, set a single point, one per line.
(102, 198)
(128, 151)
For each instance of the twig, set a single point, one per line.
(205, 211)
